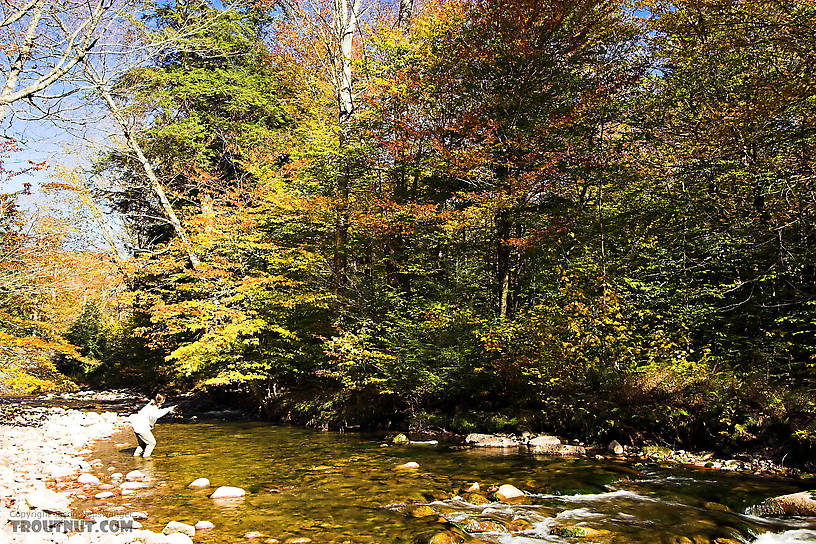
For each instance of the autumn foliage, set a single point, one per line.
(583, 217)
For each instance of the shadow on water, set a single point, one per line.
(344, 488)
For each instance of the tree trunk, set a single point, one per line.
(155, 183)
(345, 20)
(503, 258)
(22, 57)
(406, 7)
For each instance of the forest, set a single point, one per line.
(587, 217)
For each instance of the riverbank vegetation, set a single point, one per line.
(590, 218)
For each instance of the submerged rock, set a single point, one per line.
(172, 538)
(475, 498)
(473, 525)
(133, 485)
(519, 525)
(716, 506)
(419, 511)
(490, 441)
(135, 475)
(410, 465)
(445, 538)
(253, 534)
(578, 532)
(227, 492)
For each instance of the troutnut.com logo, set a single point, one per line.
(41, 522)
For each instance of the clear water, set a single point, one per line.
(343, 488)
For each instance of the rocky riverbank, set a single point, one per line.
(43, 466)
(553, 445)
(41, 447)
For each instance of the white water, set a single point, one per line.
(797, 536)
(591, 497)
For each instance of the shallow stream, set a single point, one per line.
(344, 488)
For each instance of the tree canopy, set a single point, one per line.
(589, 217)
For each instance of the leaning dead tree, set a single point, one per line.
(116, 111)
(115, 114)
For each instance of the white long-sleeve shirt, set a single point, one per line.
(145, 419)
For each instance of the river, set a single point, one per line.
(344, 488)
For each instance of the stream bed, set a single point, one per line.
(345, 488)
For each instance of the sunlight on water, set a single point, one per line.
(345, 488)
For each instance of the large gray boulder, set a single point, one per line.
(615, 448)
(490, 441)
(559, 449)
(544, 440)
(795, 504)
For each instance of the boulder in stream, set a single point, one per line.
(559, 449)
(615, 448)
(204, 524)
(508, 492)
(199, 482)
(178, 527)
(400, 440)
(86, 478)
(227, 492)
(794, 504)
(135, 475)
(544, 440)
(490, 441)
